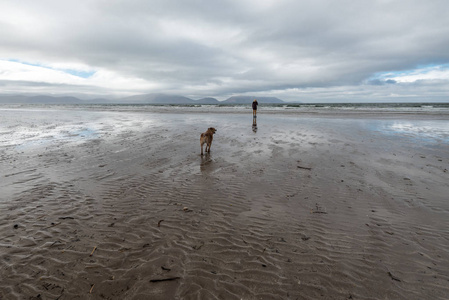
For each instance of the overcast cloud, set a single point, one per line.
(320, 50)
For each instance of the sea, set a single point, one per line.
(433, 108)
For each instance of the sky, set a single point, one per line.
(296, 50)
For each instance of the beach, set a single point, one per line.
(118, 203)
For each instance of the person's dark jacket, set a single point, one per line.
(255, 105)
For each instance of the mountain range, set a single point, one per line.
(137, 99)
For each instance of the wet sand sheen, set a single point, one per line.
(300, 208)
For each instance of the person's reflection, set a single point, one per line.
(254, 124)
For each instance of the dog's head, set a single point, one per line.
(212, 129)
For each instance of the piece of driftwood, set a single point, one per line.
(305, 168)
(393, 277)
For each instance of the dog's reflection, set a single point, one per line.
(254, 124)
(206, 162)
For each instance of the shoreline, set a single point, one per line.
(358, 112)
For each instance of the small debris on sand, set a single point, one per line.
(92, 253)
(393, 277)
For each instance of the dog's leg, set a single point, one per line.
(202, 148)
(210, 144)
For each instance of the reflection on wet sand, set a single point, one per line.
(254, 124)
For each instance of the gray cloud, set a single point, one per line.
(203, 48)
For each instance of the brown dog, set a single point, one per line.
(206, 138)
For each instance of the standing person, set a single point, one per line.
(255, 103)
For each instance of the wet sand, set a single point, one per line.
(104, 204)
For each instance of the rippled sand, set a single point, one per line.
(104, 204)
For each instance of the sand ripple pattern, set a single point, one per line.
(285, 213)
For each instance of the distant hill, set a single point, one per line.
(207, 100)
(166, 99)
(250, 99)
(42, 99)
(54, 100)
(137, 99)
(98, 101)
(156, 99)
